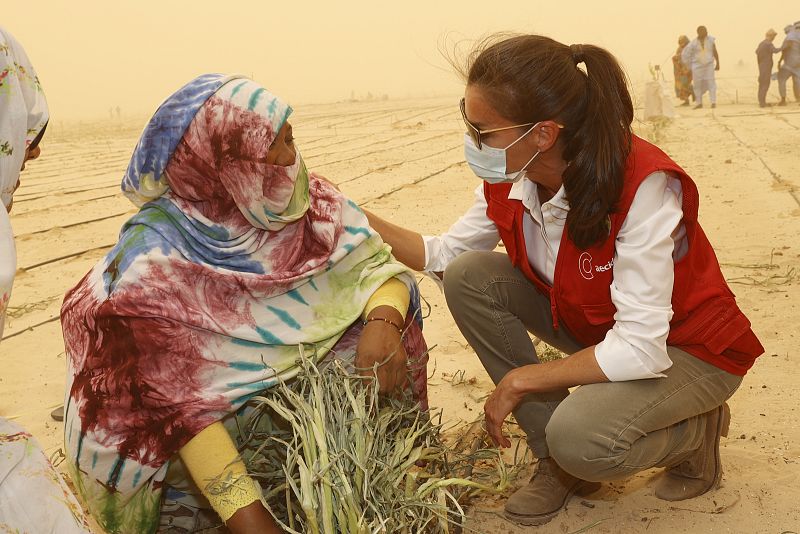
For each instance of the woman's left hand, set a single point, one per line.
(580, 368)
(500, 403)
(381, 344)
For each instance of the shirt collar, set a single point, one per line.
(526, 191)
(517, 190)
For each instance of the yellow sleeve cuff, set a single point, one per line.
(214, 464)
(392, 293)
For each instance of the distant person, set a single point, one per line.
(795, 86)
(683, 73)
(764, 54)
(702, 57)
(796, 36)
(789, 63)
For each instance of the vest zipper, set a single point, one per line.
(520, 233)
(554, 309)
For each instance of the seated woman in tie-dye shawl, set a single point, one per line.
(237, 256)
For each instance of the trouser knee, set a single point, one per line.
(467, 274)
(580, 450)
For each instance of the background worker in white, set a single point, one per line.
(701, 55)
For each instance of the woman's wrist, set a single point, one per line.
(386, 312)
(521, 381)
(384, 317)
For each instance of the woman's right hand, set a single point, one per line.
(381, 343)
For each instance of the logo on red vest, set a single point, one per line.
(586, 268)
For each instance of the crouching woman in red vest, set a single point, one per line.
(606, 262)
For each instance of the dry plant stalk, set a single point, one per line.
(337, 457)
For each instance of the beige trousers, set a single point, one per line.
(603, 431)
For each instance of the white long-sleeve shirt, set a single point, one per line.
(651, 238)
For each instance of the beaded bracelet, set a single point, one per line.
(385, 321)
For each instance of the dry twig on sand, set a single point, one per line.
(590, 526)
(15, 312)
(767, 282)
(718, 510)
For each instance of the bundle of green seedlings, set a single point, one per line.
(335, 456)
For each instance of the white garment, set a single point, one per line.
(23, 114)
(657, 103)
(703, 86)
(700, 56)
(8, 265)
(33, 497)
(791, 51)
(651, 238)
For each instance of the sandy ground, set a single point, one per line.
(403, 159)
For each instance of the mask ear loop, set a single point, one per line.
(521, 137)
(524, 167)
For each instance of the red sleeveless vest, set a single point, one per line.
(706, 321)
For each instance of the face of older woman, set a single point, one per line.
(282, 151)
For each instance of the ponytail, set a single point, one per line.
(598, 148)
(530, 78)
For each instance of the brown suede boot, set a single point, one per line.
(546, 494)
(701, 471)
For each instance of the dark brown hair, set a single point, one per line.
(531, 78)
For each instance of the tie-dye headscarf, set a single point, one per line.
(23, 114)
(229, 266)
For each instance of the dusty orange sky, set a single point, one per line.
(92, 55)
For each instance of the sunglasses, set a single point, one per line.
(475, 133)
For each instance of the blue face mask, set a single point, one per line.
(489, 163)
